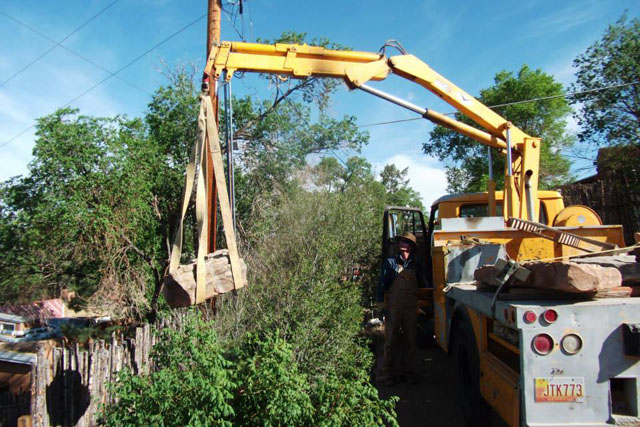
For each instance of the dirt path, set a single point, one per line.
(432, 401)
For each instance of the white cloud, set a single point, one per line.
(561, 20)
(429, 181)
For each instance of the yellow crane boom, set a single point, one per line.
(358, 68)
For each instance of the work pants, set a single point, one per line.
(399, 342)
(400, 325)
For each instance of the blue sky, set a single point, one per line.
(467, 41)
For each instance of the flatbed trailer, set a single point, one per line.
(596, 384)
(536, 358)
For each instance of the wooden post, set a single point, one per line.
(213, 36)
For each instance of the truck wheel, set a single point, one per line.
(475, 410)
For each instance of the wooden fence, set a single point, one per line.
(13, 406)
(615, 197)
(69, 384)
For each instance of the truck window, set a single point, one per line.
(478, 210)
(542, 215)
(406, 221)
(481, 209)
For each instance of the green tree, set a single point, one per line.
(329, 174)
(82, 215)
(545, 118)
(71, 224)
(611, 116)
(396, 184)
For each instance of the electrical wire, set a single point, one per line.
(56, 43)
(251, 38)
(231, 17)
(337, 157)
(526, 101)
(127, 65)
(390, 122)
(567, 95)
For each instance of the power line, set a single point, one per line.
(390, 122)
(56, 43)
(136, 59)
(337, 157)
(567, 95)
(526, 101)
(231, 17)
(250, 22)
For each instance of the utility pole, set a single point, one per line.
(213, 37)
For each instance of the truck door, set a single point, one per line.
(398, 220)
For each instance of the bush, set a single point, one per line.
(291, 343)
(190, 385)
(258, 383)
(304, 246)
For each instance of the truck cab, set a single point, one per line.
(474, 205)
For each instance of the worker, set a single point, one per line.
(400, 278)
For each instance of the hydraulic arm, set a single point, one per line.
(358, 68)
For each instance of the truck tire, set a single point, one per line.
(475, 410)
(425, 337)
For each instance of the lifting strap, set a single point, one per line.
(206, 127)
(223, 195)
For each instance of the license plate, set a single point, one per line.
(559, 389)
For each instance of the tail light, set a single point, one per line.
(542, 344)
(550, 315)
(571, 343)
(530, 316)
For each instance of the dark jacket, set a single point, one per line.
(390, 272)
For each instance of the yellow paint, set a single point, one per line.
(357, 68)
(499, 386)
(439, 297)
(577, 216)
(551, 201)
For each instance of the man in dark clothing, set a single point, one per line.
(400, 279)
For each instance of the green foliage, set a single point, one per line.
(612, 116)
(396, 184)
(304, 247)
(358, 172)
(191, 384)
(77, 220)
(273, 391)
(257, 382)
(546, 118)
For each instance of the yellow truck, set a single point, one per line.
(537, 358)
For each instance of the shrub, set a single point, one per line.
(191, 383)
(257, 383)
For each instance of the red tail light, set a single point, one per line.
(550, 315)
(530, 316)
(543, 344)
